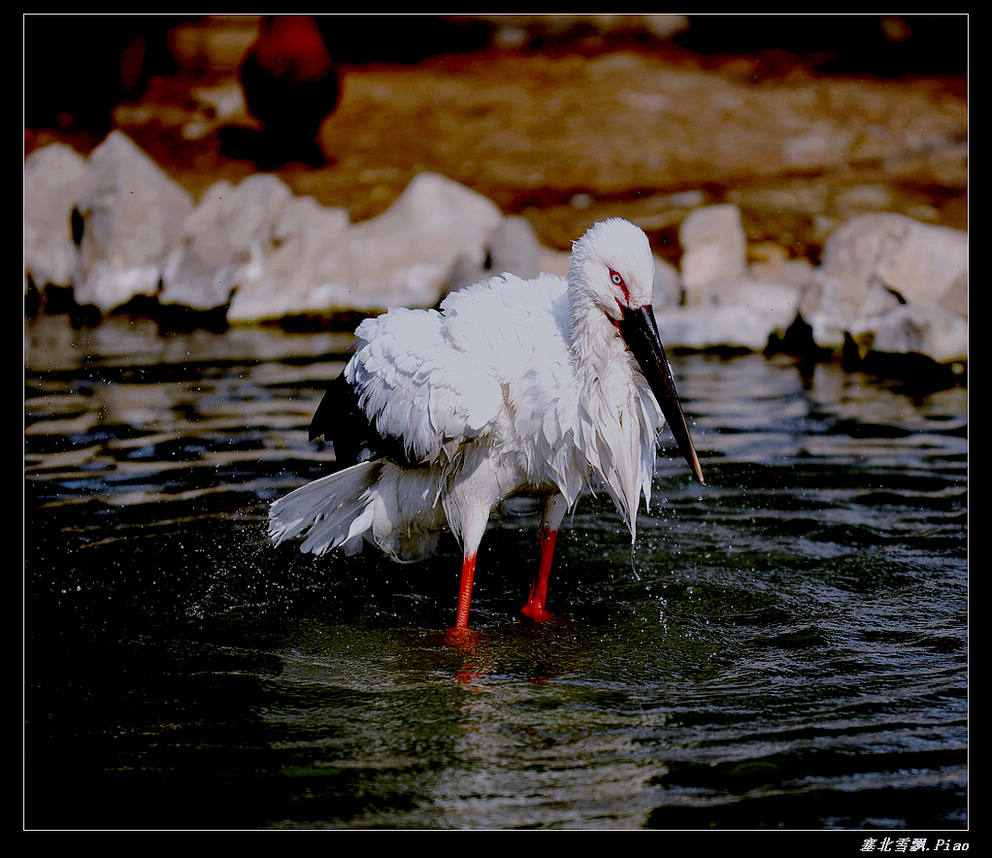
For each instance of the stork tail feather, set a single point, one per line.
(335, 508)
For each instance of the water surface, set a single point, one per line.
(784, 648)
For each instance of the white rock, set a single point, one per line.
(403, 257)
(408, 252)
(746, 315)
(876, 271)
(698, 327)
(133, 215)
(833, 307)
(924, 327)
(667, 285)
(955, 299)
(714, 249)
(54, 179)
(797, 272)
(285, 279)
(218, 237)
(925, 263)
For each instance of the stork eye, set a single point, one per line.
(617, 281)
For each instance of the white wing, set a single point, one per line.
(414, 384)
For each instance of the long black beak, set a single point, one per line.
(640, 331)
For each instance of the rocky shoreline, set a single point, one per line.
(110, 232)
(804, 187)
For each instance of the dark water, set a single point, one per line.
(785, 648)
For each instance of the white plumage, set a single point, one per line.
(512, 386)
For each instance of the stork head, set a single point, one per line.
(612, 272)
(613, 268)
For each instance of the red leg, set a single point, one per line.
(465, 593)
(539, 590)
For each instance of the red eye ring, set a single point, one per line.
(617, 280)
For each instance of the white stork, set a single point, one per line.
(513, 386)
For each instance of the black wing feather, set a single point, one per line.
(339, 419)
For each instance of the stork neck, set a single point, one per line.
(595, 341)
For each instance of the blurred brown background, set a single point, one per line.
(802, 121)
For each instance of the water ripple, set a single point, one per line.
(785, 647)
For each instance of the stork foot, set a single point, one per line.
(536, 612)
(534, 609)
(461, 637)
